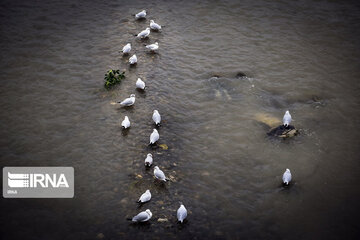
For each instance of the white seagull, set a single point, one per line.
(140, 15)
(154, 136)
(126, 49)
(286, 177)
(156, 117)
(143, 216)
(126, 122)
(153, 47)
(286, 119)
(159, 174)
(133, 59)
(128, 101)
(148, 160)
(181, 213)
(145, 197)
(144, 33)
(140, 84)
(154, 25)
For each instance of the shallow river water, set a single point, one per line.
(300, 56)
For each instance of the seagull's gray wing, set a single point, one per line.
(156, 118)
(140, 217)
(160, 174)
(126, 101)
(181, 214)
(145, 197)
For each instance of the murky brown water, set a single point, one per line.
(301, 56)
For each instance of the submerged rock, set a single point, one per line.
(240, 75)
(223, 88)
(267, 119)
(276, 128)
(124, 20)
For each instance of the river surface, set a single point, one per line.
(300, 56)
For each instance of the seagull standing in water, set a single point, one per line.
(159, 174)
(153, 47)
(154, 137)
(144, 33)
(148, 160)
(145, 197)
(125, 123)
(181, 213)
(133, 59)
(143, 216)
(128, 101)
(126, 49)
(286, 119)
(140, 84)
(156, 117)
(140, 15)
(286, 177)
(154, 25)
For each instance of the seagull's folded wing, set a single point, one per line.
(126, 101)
(140, 217)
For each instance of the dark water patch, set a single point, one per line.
(223, 167)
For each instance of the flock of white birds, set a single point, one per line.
(154, 137)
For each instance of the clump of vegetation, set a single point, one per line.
(113, 77)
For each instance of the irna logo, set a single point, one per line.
(18, 180)
(38, 182)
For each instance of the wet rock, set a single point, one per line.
(164, 146)
(316, 98)
(291, 133)
(162, 220)
(172, 178)
(283, 132)
(100, 236)
(124, 201)
(240, 75)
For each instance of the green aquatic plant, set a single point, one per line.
(113, 77)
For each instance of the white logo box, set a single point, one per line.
(38, 182)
